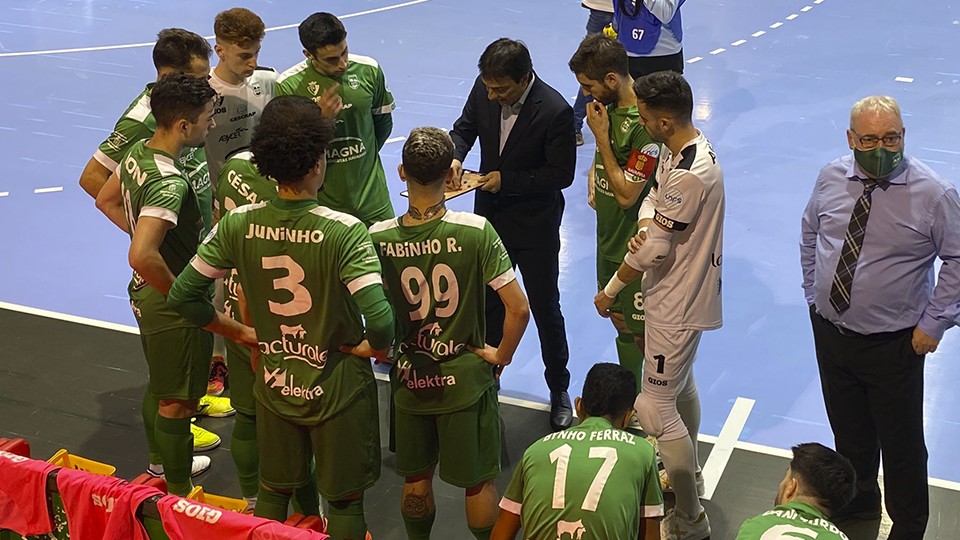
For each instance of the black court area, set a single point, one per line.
(69, 385)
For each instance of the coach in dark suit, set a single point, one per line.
(527, 155)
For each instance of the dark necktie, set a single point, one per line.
(853, 241)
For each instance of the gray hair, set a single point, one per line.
(874, 103)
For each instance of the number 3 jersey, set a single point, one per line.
(591, 482)
(299, 263)
(435, 275)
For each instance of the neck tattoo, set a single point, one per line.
(430, 213)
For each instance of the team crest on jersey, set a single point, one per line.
(292, 346)
(257, 89)
(353, 81)
(625, 125)
(313, 87)
(570, 530)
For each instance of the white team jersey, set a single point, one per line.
(237, 112)
(684, 291)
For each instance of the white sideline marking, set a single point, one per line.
(151, 43)
(792, 16)
(709, 439)
(695, 59)
(806, 8)
(738, 42)
(904, 79)
(48, 189)
(4, 193)
(726, 441)
(776, 25)
(758, 34)
(717, 51)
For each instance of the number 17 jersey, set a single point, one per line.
(436, 276)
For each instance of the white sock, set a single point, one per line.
(678, 460)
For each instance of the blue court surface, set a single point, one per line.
(773, 83)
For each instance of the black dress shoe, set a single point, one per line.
(864, 507)
(561, 413)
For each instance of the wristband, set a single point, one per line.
(614, 286)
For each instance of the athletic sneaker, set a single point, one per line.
(215, 407)
(203, 440)
(199, 466)
(666, 487)
(675, 525)
(218, 377)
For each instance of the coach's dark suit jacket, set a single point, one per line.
(538, 160)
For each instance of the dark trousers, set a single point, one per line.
(873, 391)
(541, 272)
(645, 65)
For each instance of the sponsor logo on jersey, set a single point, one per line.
(408, 376)
(344, 149)
(428, 344)
(236, 134)
(243, 115)
(244, 189)
(570, 530)
(13, 457)
(673, 198)
(292, 346)
(353, 81)
(197, 511)
(283, 234)
(313, 87)
(280, 379)
(669, 223)
(658, 382)
(652, 149)
(117, 141)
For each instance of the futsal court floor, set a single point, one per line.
(773, 83)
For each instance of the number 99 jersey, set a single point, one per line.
(435, 275)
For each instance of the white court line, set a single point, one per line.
(758, 34)
(151, 43)
(48, 189)
(726, 441)
(904, 79)
(806, 8)
(695, 59)
(4, 193)
(717, 51)
(709, 439)
(792, 16)
(776, 25)
(738, 42)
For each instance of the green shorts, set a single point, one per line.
(629, 301)
(465, 442)
(178, 362)
(346, 448)
(241, 377)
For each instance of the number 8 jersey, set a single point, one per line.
(298, 263)
(435, 275)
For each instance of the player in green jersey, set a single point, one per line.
(623, 172)
(161, 212)
(818, 483)
(591, 481)
(176, 51)
(308, 274)
(352, 89)
(437, 265)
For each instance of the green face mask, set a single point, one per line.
(878, 162)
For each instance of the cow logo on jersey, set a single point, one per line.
(570, 530)
(353, 81)
(293, 347)
(280, 379)
(344, 149)
(428, 344)
(313, 87)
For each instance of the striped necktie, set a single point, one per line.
(853, 241)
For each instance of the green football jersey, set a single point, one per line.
(590, 482)
(436, 276)
(637, 155)
(355, 182)
(240, 183)
(793, 520)
(299, 263)
(153, 185)
(136, 124)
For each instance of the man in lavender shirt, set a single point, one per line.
(874, 225)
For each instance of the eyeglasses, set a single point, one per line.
(872, 141)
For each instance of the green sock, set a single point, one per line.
(418, 528)
(175, 443)
(306, 499)
(346, 520)
(481, 534)
(148, 410)
(631, 357)
(272, 505)
(246, 457)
